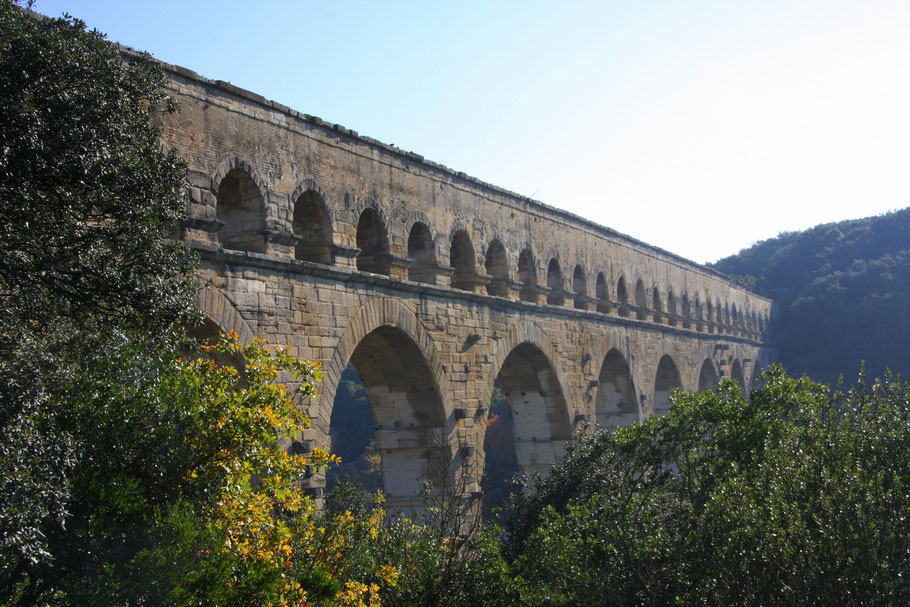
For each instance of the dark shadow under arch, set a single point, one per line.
(616, 403)
(665, 381)
(240, 208)
(707, 376)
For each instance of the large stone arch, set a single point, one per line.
(708, 377)
(539, 441)
(217, 307)
(403, 379)
(378, 312)
(616, 397)
(667, 376)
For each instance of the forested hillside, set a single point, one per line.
(843, 291)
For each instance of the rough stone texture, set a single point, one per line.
(578, 321)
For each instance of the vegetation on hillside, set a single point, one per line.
(843, 294)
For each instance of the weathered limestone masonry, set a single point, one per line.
(435, 284)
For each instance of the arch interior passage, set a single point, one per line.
(407, 411)
(240, 209)
(556, 295)
(312, 226)
(372, 242)
(420, 252)
(540, 417)
(707, 377)
(527, 277)
(666, 380)
(736, 373)
(461, 258)
(580, 286)
(497, 268)
(616, 403)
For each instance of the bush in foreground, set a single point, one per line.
(793, 496)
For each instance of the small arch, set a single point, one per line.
(554, 282)
(641, 301)
(313, 226)
(656, 304)
(672, 312)
(622, 296)
(666, 380)
(422, 253)
(497, 267)
(600, 290)
(527, 276)
(707, 376)
(736, 374)
(580, 287)
(240, 208)
(685, 312)
(463, 260)
(373, 242)
(615, 404)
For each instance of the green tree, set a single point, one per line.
(794, 496)
(86, 198)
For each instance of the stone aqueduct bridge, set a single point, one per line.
(434, 284)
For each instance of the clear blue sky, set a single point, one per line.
(696, 126)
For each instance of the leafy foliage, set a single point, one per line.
(86, 197)
(843, 294)
(793, 496)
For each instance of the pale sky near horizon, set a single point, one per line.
(699, 127)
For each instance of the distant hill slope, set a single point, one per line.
(843, 291)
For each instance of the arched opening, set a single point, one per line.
(622, 297)
(616, 403)
(698, 314)
(672, 312)
(497, 266)
(685, 311)
(736, 374)
(707, 377)
(641, 301)
(240, 208)
(312, 226)
(554, 281)
(657, 305)
(666, 380)
(527, 276)
(709, 315)
(421, 254)
(734, 318)
(540, 425)
(372, 242)
(600, 290)
(580, 287)
(462, 259)
(405, 412)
